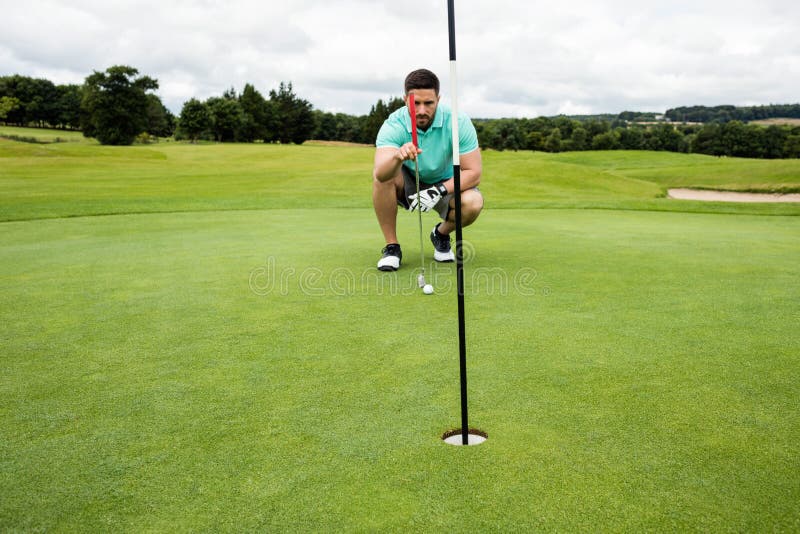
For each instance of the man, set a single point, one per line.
(394, 181)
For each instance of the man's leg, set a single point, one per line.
(384, 200)
(471, 206)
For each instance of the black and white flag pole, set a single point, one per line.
(462, 345)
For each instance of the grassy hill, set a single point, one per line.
(44, 135)
(69, 179)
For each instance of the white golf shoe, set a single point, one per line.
(441, 246)
(391, 257)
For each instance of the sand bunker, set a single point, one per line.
(729, 196)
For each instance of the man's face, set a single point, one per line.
(426, 101)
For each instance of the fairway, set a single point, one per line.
(195, 338)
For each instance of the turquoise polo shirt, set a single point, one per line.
(436, 160)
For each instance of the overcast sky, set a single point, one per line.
(515, 58)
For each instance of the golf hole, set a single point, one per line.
(474, 437)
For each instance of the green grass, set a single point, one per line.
(44, 135)
(63, 180)
(709, 172)
(632, 180)
(219, 354)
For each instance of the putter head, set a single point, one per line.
(421, 280)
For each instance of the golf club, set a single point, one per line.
(412, 110)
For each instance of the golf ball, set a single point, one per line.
(428, 289)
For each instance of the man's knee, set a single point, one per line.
(475, 200)
(391, 186)
(471, 206)
(471, 203)
(377, 184)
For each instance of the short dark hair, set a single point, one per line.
(421, 79)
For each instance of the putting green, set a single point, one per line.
(250, 370)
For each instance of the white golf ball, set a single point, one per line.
(428, 289)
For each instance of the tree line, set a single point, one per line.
(118, 105)
(283, 117)
(115, 106)
(28, 101)
(723, 114)
(248, 117)
(562, 134)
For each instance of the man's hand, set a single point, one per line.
(408, 151)
(427, 198)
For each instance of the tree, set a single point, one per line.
(160, 120)
(8, 104)
(257, 118)
(69, 106)
(669, 138)
(339, 127)
(40, 102)
(36, 99)
(534, 141)
(735, 139)
(631, 138)
(510, 134)
(230, 94)
(773, 141)
(294, 115)
(226, 116)
(553, 143)
(708, 141)
(605, 141)
(579, 138)
(114, 105)
(791, 148)
(348, 128)
(378, 113)
(488, 136)
(565, 126)
(324, 125)
(596, 127)
(194, 120)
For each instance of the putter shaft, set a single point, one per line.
(421, 277)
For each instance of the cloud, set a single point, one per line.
(514, 58)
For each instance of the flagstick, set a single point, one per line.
(462, 344)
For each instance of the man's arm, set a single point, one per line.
(389, 159)
(471, 166)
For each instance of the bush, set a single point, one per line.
(145, 138)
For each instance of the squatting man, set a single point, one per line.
(394, 182)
